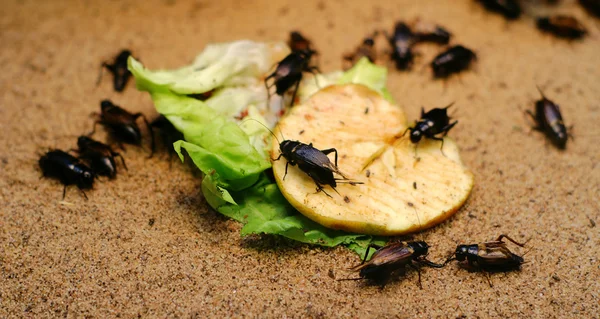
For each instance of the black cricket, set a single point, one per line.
(425, 32)
(314, 163)
(453, 60)
(492, 256)
(431, 124)
(100, 156)
(365, 49)
(510, 9)
(68, 169)
(168, 133)
(562, 26)
(392, 258)
(401, 43)
(298, 42)
(122, 124)
(549, 121)
(119, 70)
(289, 73)
(592, 6)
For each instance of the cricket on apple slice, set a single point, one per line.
(401, 191)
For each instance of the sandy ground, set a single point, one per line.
(105, 258)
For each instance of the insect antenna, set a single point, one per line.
(346, 279)
(347, 181)
(449, 105)
(102, 66)
(270, 131)
(527, 252)
(541, 93)
(418, 218)
(450, 258)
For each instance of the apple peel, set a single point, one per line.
(405, 188)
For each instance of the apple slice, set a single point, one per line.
(405, 188)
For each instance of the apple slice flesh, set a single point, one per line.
(406, 187)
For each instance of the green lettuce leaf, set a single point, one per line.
(366, 73)
(263, 209)
(218, 146)
(224, 64)
(234, 154)
(363, 72)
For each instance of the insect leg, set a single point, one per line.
(537, 127)
(487, 276)
(64, 192)
(408, 129)
(268, 91)
(94, 127)
(569, 132)
(278, 157)
(418, 272)
(367, 252)
(441, 147)
(84, 195)
(327, 151)
(312, 70)
(114, 154)
(286, 167)
(512, 240)
(152, 145)
(416, 156)
(320, 187)
(295, 91)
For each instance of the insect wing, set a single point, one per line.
(396, 253)
(495, 254)
(552, 113)
(290, 65)
(311, 156)
(117, 115)
(437, 115)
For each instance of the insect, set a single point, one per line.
(68, 169)
(313, 162)
(401, 43)
(289, 73)
(549, 121)
(491, 256)
(392, 258)
(298, 42)
(366, 49)
(100, 156)
(169, 134)
(202, 96)
(562, 26)
(593, 6)
(426, 32)
(453, 60)
(510, 9)
(431, 124)
(119, 70)
(122, 124)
